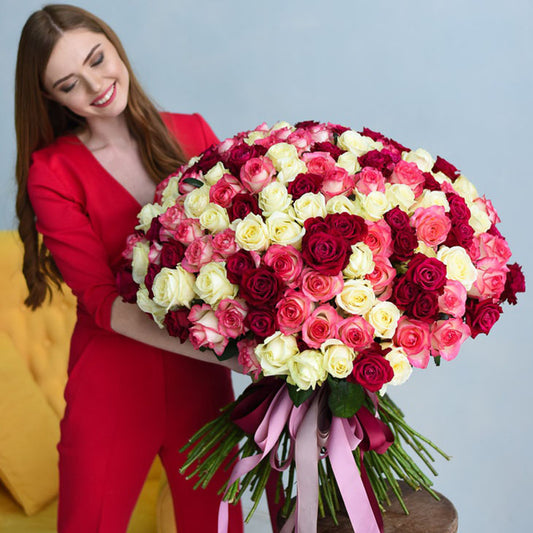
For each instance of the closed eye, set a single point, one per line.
(98, 60)
(68, 88)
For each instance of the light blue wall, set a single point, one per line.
(454, 77)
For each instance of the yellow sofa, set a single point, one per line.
(33, 363)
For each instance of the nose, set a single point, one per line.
(94, 83)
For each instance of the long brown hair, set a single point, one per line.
(39, 120)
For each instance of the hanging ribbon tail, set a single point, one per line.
(274, 507)
(348, 477)
(371, 495)
(377, 435)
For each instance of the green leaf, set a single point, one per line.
(436, 360)
(298, 396)
(345, 398)
(194, 182)
(230, 351)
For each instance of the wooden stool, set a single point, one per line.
(426, 515)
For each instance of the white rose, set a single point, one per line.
(357, 297)
(349, 162)
(212, 284)
(356, 143)
(290, 170)
(400, 365)
(338, 358)
(140, 261)
(401, 195)
(252, 233)
(384, 317)
(214, 218)
(275, 353)
(280, 125)
(281, 154)
(465, 188)
(170, 193)
(147, 213)
(215, 173)
(283, 229)
(274, 197)
(361, 262)
(306, 370)
(254, 136)
(459, 266)
(147, 305)
(173, 287)
(374, 205)
(197, 201)
(430, 198)
(309, 205)
(423, 248)
(423, 159)
(441, 178)
(342, 204)
(479, 220)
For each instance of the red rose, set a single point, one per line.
(237, 264)
(208, 160)
(260, 286)
(127, 288)
(242, 205)
(515, 282)
(337, 129)
(327, 253)
(261, 321)
(425, 307)
(461, 234)
(352, 227)
(153, 271)
(238, 155)
(316, 224)
(155, 227)
(397, 219)
(430, 183)
(304, 183)
(331, 149)
(459, 211)
(404, 243)
(178, 324)
(441, 165)
(374, 135)
(405, 292)
(481, 315)
(383, 160)
(172, 253)
(371, 371)
(427, 272)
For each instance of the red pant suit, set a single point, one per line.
(126, 401)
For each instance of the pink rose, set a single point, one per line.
(320, 287)
(224, 243)
(292, 311)
(226, 145)
(447, 336)
(318, 162)
(257, 173)
(413, 336)
(382, 277)
(198, 254)
(154, 254)
(431, 224)
(247, 358)
(491, 277)
(494, 247)
(161, 186)
(286, 261)
(336, 182)
(172, 217)
(301, 139)
(487, 206)
(319, 133)
(370, 179)
(223, 191)
(379, 238)
(230, 314)
(452, 300)
(131, 241)
(355, 332)
(188, 231)
(320, 326)
(186, 188)
(408, 174)
(204, 331)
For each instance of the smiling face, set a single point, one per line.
(85, 74)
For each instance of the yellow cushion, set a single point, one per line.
(165, 510)
(29, 433)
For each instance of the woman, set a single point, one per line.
(91, 148)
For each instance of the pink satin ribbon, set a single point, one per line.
(309, 434)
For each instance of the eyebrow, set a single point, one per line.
(84, 62)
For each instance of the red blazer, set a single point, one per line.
(85, 215)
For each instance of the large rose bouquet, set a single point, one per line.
(331, 263)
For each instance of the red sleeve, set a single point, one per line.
(192, 132)
(67, 233)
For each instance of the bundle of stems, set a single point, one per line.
(220, 443)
